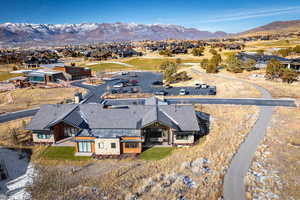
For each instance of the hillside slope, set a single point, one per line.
(275, 27)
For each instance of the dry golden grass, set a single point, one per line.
(278, 157)
(25, 98)
(5, 130)
(230, 124)
(278, 89)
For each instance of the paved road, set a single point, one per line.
(16, 115)
(256, 102)
(91, 96)
(234, 187)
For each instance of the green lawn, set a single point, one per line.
(156, 153)
(6, 75)
(150, 64)
(147, 63)
(154, 63)
(61, 153)
(108, 67)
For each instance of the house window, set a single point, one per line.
(43, 136)
(101, 145)
(70, 131)
(182, 137)
(131, 145)
(113, 145)
(84, 146)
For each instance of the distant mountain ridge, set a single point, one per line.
(20, 33)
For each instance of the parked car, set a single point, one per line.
(123, 81)
(212, 92)
(168, 86)
(161, 92)
(157, 83)
(133, 90)
(133, 82)
(204, 86)
(124, 73)
(182, 92)
(197, 85)
(118, 85)
(133, 74)
(113, 91)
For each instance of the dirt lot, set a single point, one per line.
(195, 173)
(20, 99)
(275, 171)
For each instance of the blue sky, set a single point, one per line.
(212, 15)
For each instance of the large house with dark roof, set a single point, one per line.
(105, 131)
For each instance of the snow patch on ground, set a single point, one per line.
(20, 173)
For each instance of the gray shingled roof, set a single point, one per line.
(156, 115)
(94, 116)
(49, 113)
(184, 115)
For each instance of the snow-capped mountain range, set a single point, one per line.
(24, 33)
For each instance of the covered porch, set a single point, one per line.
(157, 134)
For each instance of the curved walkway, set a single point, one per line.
(234, 186)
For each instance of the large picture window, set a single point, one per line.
(182, 137)
(84, 146)
(43, 135)
(70, 131)
(131, 145)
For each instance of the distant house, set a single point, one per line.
(75, 72)
(292, 64)
(261, 60)
(46, 76)
(178, 50)
(100, 131)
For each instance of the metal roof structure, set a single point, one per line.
(99, 121)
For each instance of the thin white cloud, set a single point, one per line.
(253, 14)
